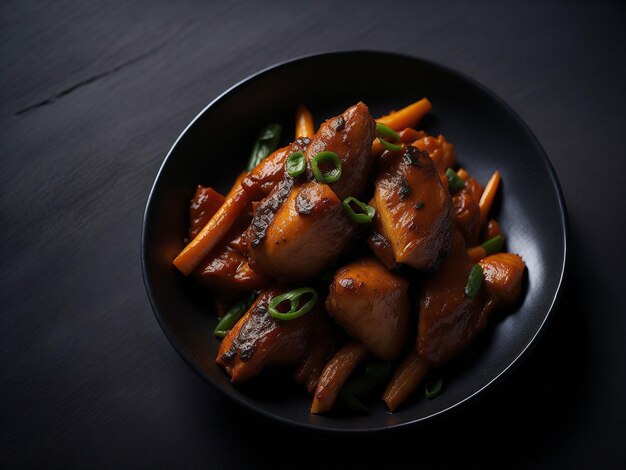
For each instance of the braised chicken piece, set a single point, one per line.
(258, 340)
(300, 228)
(448, 318)
(267, 174)
(307, 233)
(441, 151)
(503, 274)
(491, 230)
(381, 247)
(372, 305)
(226, 269)
(350, 136)
(414, 208)
(466, 211)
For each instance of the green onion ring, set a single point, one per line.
(385, 135)
(390, 146)
(296, 164)
(386, 132)
(294, 300)
(365, 218)
(329, 176)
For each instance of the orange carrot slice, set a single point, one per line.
(334, 375)
(405, 380)
(215, 229)
(304, 122)
(408, 116)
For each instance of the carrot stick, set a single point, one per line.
(215, 229)
(405, 380)
(476, 253)
(334, 375)
(408, 116)
(304, 122)
(489, 194)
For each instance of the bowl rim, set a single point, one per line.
(530, 343)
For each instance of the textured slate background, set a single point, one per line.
(92, 95)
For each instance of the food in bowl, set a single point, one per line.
(357, 253)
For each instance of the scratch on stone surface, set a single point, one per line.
(85, 82)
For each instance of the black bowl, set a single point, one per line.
(487, 134)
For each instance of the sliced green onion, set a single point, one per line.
(296, 164)
(456, 183)
(266, 143)
(493, 245)
(293, 297)
(386, 132)
(360, 218)
(329, 176)
(474, 281)
(390, 146)
(433, 388)
(232, 316)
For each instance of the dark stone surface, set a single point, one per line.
(93, 94)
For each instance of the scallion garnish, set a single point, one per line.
(364, 217)
(456, 183)
(474, 281)
(232, 316)
(390, 146)
(293, 297)
(296, 164)
(433, 388)
(328, 176)
(493, 245)
(386, 135)
(265, 144)
(387, 132)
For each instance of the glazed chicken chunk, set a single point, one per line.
(414, 208)
(372, 305)
(300, 228)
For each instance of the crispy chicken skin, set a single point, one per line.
(414, 208)
(350, 136)
(258, 340)
(300, 228)
(372, 305)
(448, 319)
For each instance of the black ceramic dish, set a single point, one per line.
(487, 135)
